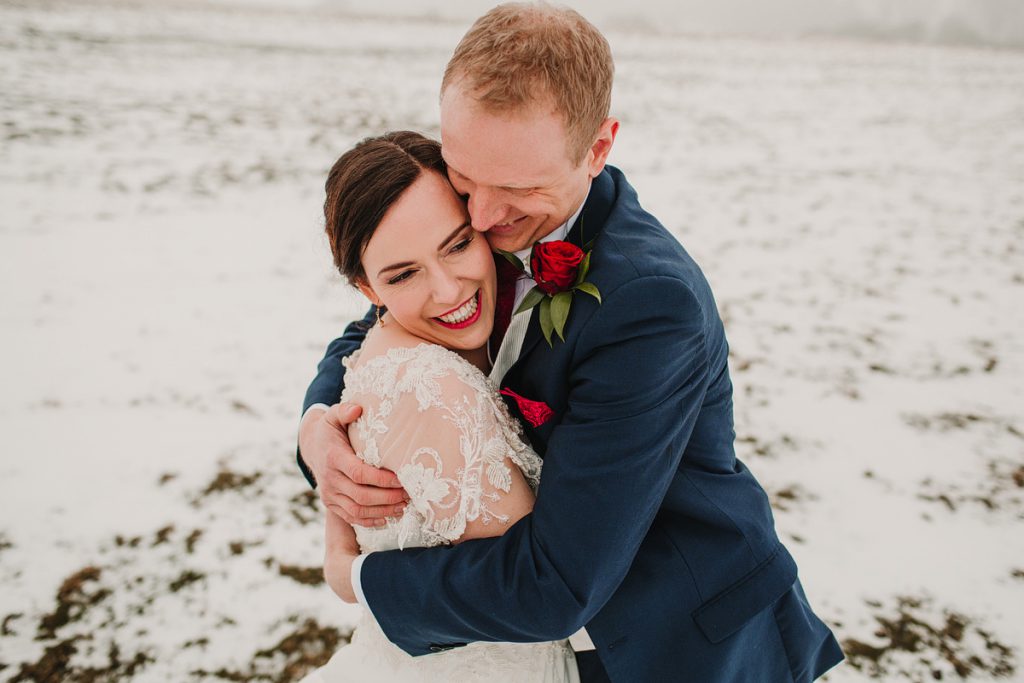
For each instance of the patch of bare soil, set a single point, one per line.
(74, 597)
(310, 576)
(1001, 488)
(916, 642)
(307, 647)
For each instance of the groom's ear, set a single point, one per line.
(597, 156)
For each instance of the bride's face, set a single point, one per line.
(432, 271)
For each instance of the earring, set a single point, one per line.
(379, 321)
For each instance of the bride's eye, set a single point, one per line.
(401, 277)
(462, 245)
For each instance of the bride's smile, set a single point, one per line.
(464, 315)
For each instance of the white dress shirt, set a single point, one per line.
(503, 360)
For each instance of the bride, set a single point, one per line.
(401, 234)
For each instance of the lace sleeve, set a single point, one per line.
(440, 426)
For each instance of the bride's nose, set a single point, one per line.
(446, 288)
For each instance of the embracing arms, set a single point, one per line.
(438, 424)
(639, 376)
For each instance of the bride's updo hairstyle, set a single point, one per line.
(362, 186)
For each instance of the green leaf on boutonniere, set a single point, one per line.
(512, 258)
(581, 273)
(560, 311)
(590, 289)
(545, 319)
(531, 299)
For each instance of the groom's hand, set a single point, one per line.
(358, 493)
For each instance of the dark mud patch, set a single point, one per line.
(750, 444)
(307, 647)
(225, 481)
(74, 598)
(185, 579)
(914, 641)
(163, 535)
(1000, 489)
(228, 480)
(308, 576)
(192, 539)
(242, 407)
(790, 497)
(305, 507)
(953, 421)
(54, 666)
(5, 627)
(127, 541)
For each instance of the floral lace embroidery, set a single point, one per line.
(402, 392)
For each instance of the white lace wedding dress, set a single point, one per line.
(438, 423)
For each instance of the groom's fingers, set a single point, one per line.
(368, 505)
(376, 515)
(373, 505)
(369, 497)
(367, 477)
(343, 458)
(358, 503)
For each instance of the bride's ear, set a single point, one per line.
(368, 292)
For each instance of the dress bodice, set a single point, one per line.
(440, 425)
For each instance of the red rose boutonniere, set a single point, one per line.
(560, 270)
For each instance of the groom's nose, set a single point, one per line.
(487, 208)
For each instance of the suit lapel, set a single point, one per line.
(586, 228)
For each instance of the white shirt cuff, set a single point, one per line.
(320, 406)
(357, 586)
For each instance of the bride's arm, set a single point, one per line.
(341, 548)
(446, 443)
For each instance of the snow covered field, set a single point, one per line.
(165, 293)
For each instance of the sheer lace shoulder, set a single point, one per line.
(440, 425)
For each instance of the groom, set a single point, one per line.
(650, 543)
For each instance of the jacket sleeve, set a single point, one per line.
(639, 378)
(329, 382)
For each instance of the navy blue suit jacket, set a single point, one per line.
(647, 529)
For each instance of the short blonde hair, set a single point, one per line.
(519, 53)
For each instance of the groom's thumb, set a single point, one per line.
(344, 414)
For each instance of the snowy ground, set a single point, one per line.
(165, 294)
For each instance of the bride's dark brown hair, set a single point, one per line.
(363, 184)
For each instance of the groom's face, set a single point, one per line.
(513, 169)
